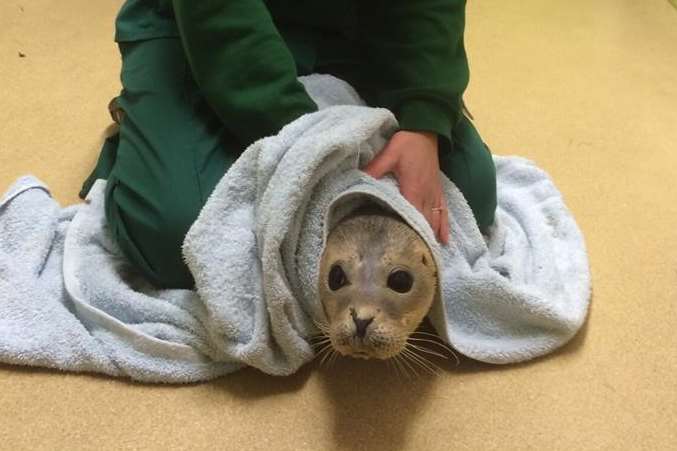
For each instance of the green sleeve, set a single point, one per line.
(242, 65)
(415, 61)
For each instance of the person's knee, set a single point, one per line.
(470, 166)
(151, 231)
(169, 226)
(172, 219)
(486, 200)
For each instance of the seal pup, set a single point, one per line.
(377, 283)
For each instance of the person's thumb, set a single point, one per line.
(380, 165)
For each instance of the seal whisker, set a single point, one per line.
(391, 364)
(452, 353)
(324, 349)
(441, 345)
(446, 348)
(423, 359)
(320, 347)
(327, 355)
(422, 362)
(400, 363)
(427, 351)
(405, 360)
(323, 344)
(320, 335)
(324, 327)
(333, 358)
(429, 362)
(395, 365)
(324, 330)
(319, 341)
(429, 341)
(425, 333)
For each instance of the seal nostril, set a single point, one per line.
(361, 325)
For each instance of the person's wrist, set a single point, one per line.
(432, 136)
(429, 139)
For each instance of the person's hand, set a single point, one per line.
(412, 158)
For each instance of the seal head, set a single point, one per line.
(378, 280)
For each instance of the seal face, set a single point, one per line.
(378, 280)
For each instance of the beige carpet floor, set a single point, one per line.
(587, 89)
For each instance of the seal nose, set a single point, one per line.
(361, 324)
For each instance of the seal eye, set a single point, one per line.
(400, 281)
(337, 278)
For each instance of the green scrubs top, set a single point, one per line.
(404, 55)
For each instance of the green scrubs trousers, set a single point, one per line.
(172, 149)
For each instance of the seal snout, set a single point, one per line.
(361, 324)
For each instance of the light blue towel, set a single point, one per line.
(69, 300)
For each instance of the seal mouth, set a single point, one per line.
(359, 349)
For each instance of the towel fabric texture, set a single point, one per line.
(69, 300)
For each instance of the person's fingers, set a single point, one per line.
(436, 217)
(383, 163)
(445, 228)
(413, 196)
(444, 221)
(427, 211)
(418, 204)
